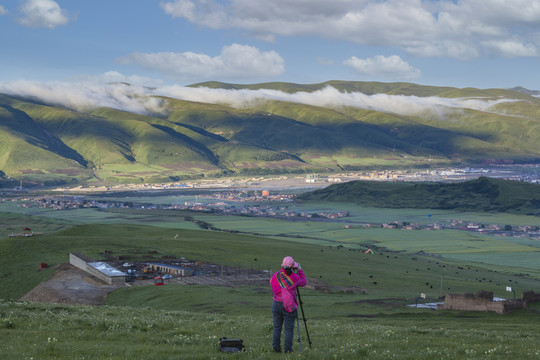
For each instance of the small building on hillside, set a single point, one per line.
(99, 269)
(164, 269)
(25, 232)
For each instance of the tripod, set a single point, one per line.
(304, 317)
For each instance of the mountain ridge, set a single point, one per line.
(54, 144)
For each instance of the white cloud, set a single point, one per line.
(391, 67)
(207, 13)
(42, 13)
(235, 61)
(462, 29)
(85, 96)
(511, 48)
(3, 10)
(179, 8)
(331, 98)
(462, 51)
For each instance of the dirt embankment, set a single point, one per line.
(70, 285)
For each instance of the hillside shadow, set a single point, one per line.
(202, 132)
(39, 137)
(417, 139)
(192, 144)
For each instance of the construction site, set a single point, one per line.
(143, 268)
(84, 280)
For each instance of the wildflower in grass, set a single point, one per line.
(8, 324)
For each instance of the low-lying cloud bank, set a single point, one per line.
(330, 97)
(142, 100)
(87, 96)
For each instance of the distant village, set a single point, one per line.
(491, 229)
(219, 206)
(315, 180)
(252, 203)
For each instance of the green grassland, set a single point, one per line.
(52, 331)
(330, 261)
(187, 321)
(515, 254)
(175, 321)
(511, 252)
(13, 223)
(321, 239)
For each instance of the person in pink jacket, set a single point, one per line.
(284, 304)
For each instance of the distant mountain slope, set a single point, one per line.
(526, 91)
(370, 88)
(483, 194)
(30, 150)
(54, 144)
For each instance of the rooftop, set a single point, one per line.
(106, 269)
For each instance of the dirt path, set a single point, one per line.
(70, 285)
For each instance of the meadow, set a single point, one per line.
(174, 321)
(55, 331)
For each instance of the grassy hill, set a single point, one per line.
(333, 264)
(483, 194)
(52, 144)
(175, 321)
(383, 275)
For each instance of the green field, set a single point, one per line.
(175, 321)
(520, 253)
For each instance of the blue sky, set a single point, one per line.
(465, 43)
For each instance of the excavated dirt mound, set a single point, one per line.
(70, 285)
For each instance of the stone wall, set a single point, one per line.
(80, 261)
(529, 297)
(481, 301)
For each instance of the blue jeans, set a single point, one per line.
(281, 317)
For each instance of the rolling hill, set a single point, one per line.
(483, 194)
(53, 144)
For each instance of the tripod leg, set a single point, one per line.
(304, 316)
(298, 326)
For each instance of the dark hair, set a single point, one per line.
(288, 270)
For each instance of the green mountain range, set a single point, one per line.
(53, 144)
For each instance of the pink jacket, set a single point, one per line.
(298, 279)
